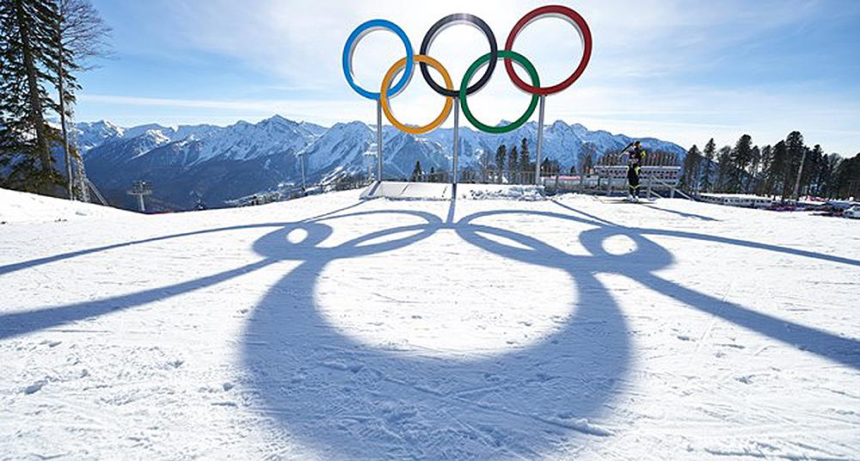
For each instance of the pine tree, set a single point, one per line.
(710, 152)
(79, 35)
(501, 154)
(513, 164)
(812, 171)
(62, 65)
(696, 169)
(778, 169)
(740, 157)
(724, 169)
(525, 162)
(417, 172)
(485, 165)
(689, 173)
(848, 178)
(755, 164)
(27, 28)
(766, 160)
(835, 160)
(795, 150)
(827, 177)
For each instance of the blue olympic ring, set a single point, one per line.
(352, 41)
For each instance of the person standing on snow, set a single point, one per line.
(634, 163)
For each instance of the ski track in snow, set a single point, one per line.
(327, 328)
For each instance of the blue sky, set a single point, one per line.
(683, 71)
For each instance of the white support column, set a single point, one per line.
(541, 112)
(379, 140)
(455, 169)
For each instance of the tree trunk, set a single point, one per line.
(796, 193)
(36, 113)
(62, 90)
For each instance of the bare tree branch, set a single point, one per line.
(83, 33)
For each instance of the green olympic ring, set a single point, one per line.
(502, 54)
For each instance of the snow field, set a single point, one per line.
(486, 329)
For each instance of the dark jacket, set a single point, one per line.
(637, 157)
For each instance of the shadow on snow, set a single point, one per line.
(350, 400)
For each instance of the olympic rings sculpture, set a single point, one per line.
(389, 89)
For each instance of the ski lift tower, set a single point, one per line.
(140, 189)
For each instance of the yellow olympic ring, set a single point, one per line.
(386, 83)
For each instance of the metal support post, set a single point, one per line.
(456, 139)
(541, 113)
(379, 141)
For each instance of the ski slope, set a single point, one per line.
(17, 207)
(333, 328)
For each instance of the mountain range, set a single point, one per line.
(217, 164)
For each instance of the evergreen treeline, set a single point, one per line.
(511, 165)
(787, 170)
(44, 45)
(771, 170)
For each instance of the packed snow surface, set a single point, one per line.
(334, 328)
(23, 207)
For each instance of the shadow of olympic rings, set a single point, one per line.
(350, 400)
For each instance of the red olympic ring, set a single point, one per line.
(557, 11)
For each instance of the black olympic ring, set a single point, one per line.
(452, 20)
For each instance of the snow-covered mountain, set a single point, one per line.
(91, 135)
(217, 164)
(94, 134)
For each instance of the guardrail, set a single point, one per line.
(608, 179)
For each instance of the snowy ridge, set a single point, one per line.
(244, 141)
(333, 328)
(94, 134)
